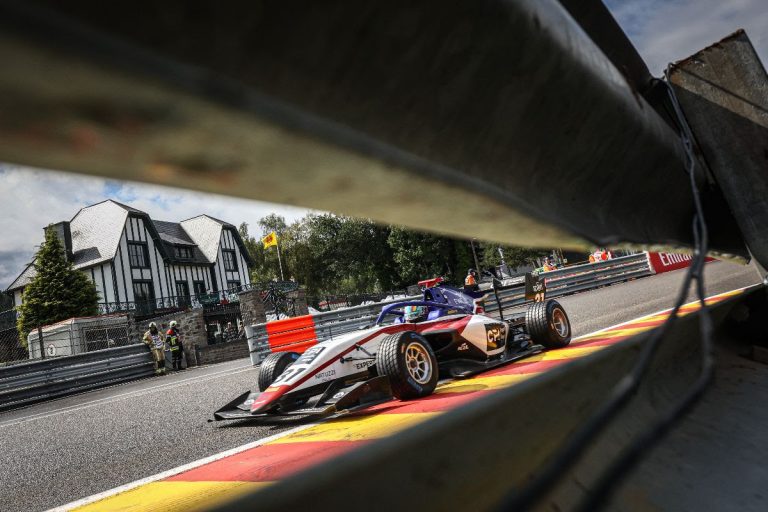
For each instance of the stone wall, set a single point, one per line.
(220, 352)
(300, 301)
(251, 307)
(191, 326)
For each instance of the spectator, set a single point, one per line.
(229, 332)
(470, 282)
(549, 265)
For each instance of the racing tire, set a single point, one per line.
(548, 324)
(409, 362)
(273, 365)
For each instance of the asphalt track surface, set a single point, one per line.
(64, 450)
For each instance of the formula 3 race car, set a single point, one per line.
(403, 355)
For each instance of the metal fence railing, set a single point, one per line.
(329, 302)
(164, 305)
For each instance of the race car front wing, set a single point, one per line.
(337, 397)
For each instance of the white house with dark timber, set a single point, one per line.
(133, 259)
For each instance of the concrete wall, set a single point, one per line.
(221, 352)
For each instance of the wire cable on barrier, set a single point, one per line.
(625, 389)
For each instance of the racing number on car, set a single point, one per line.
(310, 355)
(287, 374)
(494, 334)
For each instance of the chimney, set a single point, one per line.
(65, 236)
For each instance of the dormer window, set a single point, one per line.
(230, 262)
(184, 253)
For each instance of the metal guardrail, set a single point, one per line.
(27, 383)
(577, 278)
(559, 282)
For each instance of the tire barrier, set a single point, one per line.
(27, 383)
(291, 334)
(299, 333)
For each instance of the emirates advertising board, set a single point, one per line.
(667, 261)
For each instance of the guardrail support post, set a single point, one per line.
(40, 341)
(723, 90)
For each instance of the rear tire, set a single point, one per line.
(273, 366)
(548, 324)
(409, 362)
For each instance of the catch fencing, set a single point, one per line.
(80, 335)
(297, 334)
(65, 338)
(335, 302)
(27, 383)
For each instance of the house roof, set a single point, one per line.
(24, 278)
(172, 232)
(206, 231)
(96, 232)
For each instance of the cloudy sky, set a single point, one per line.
(669, 30)
(31, 199)
(662, 30)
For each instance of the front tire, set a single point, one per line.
(409, 362)
(273, 365)
(548, 324)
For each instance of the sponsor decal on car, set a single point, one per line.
(363, 365)
(327, 374)
(494, 334)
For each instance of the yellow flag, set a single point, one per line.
(269, 240)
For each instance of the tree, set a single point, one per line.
(251, 244)
(514, 256)
(272, 222)
(57, 292)
(6, 301)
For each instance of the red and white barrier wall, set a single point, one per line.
(667, 261)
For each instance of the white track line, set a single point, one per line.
(128, 394)
(175, 471)
(254, 444)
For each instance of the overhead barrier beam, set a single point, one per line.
(500, 120)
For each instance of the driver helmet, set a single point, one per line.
(152, 326)
(173, 324)
(414, 313)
